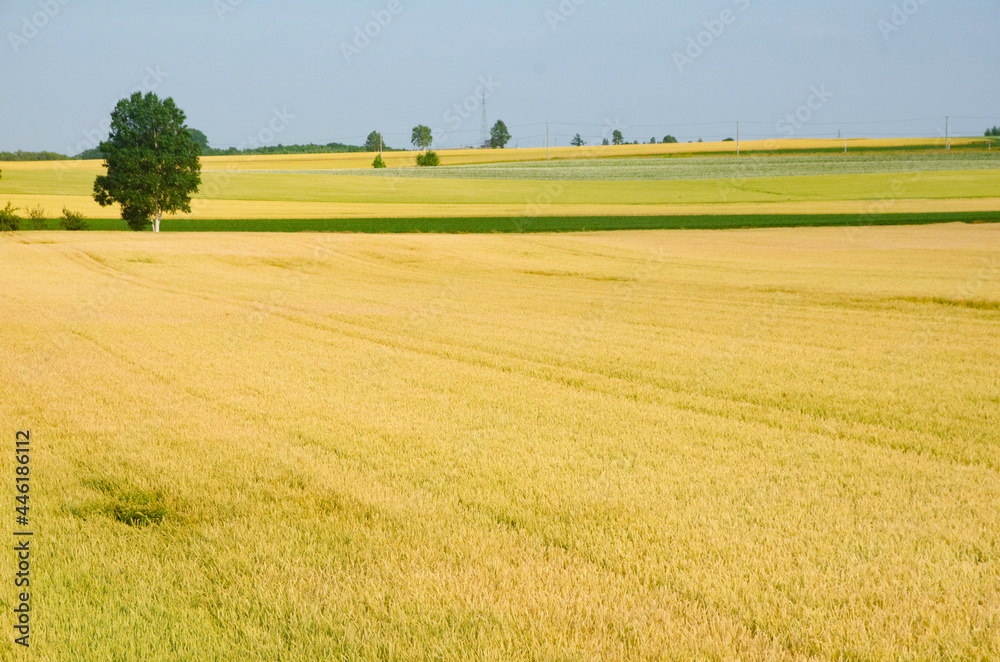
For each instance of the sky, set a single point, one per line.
(261, 72)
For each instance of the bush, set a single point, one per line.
(378, 162)
(37, 216)
(9, 221)
(72, 221)
(428, 159)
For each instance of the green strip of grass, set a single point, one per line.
(554, 223)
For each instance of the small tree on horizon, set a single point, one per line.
(422, 138)
(200, 138)
(617, 137)
(578, 141)
(375, 142)
(499, 135)
(669, 140)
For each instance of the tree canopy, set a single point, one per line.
(199, 138)
(422, 138)
(499, 135)
(617, 137)
(375, 142)
(669, 139)
(578, 141)
(152, 161)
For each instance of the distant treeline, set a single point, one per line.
(31, 156)
(331, 148)
(270, 150)
(995, 131)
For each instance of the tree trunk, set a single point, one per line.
(156, 220)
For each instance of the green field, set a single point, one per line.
(531, 224)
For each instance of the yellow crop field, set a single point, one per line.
(758, 445)
(476, 156)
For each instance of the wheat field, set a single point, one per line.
(755, 445)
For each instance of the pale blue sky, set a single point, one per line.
(278, 71)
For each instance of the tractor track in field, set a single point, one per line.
(560, 374)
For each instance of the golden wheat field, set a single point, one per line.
(755, 445)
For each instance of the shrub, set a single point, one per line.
(378, 162)
(428, 159)
(9, 221)
(37, 216)
(72, 221)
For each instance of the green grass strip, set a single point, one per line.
(480, 225)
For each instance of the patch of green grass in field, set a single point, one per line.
(554, 224)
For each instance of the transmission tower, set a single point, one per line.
(484, 131)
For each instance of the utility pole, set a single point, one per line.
(737, 138)
(548, 150)
(380, 144)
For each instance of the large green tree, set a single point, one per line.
(152, 161)
(499, 135)
(617, 137)
(422, 138)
